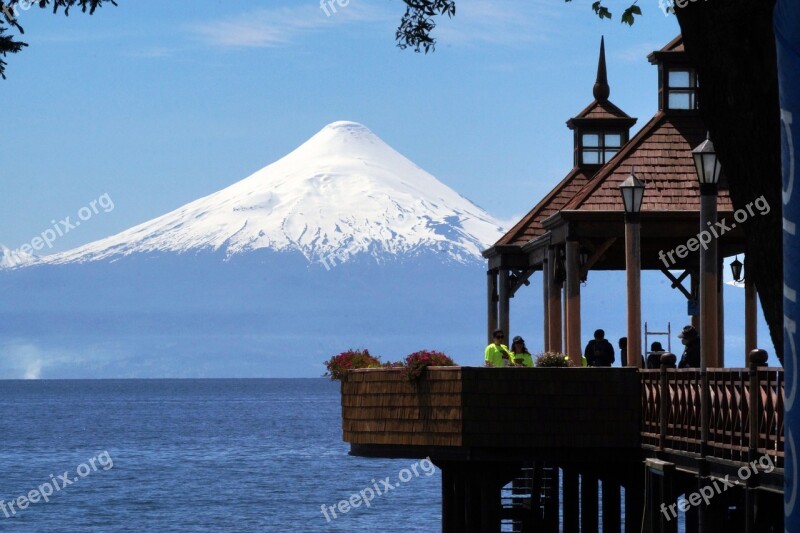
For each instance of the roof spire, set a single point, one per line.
(601, 89)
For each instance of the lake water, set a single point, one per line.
(195, 455)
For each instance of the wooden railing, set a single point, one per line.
(745, 418)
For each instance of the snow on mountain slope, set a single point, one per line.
(344, 191)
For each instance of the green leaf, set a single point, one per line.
(628, 15)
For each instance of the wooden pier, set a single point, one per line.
(621, 444)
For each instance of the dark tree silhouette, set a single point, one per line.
(10, 11)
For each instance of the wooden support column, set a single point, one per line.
(633, 268)
(491, 299)
(721, 315)
(695, 284)
(709, 273)
(546, 305)
(750, 312)
(448, 500)
(573, 303)
(634, 498)
(504, 302)
(589, 507)
(554, 297)
(552, 504)
(490, 506)
(472, 504)
(571, 500)
(611, 506)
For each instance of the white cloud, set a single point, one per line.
(274, 27)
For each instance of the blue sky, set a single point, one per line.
(157, 104)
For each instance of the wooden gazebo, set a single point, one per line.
(579, 225)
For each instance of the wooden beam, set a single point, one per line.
(518, 278)
(677, 282)
(596, 255)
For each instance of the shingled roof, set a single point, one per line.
(660, 154)
(530, 226)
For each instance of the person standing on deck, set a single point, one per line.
(519, 352)
(599, 351)
(654, 357)
(691, 354)
(623, 351)
(497, 354)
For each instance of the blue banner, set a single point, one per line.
(787, 35)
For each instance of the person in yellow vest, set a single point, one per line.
(520, 353)
(497, 354)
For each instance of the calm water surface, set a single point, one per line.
(195, 455)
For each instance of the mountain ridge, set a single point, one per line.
(342, 193)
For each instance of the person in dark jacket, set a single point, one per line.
(599, 352)
(691, 354)
(654, 357)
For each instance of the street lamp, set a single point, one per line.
(706, 164)
(632, 191)
(708, 170)
(736, 270)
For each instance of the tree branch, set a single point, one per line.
(10, 11)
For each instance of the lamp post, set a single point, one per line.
(632, 191)
(708, 170)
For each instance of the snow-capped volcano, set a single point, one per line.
(342, 190)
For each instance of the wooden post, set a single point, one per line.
(633, 275)
(695, 285)
(552, 504)
(571, 501)
(756, 359)
(554, 295)
(721, 315)
(611, 506)
(667, 361)
(573, 303)
(709, 266)
(546, 305)
(505, 302)
(589, 505)
(491, 298)
(448, 499)
(472, 503)
(750, 311)
(634, 498)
